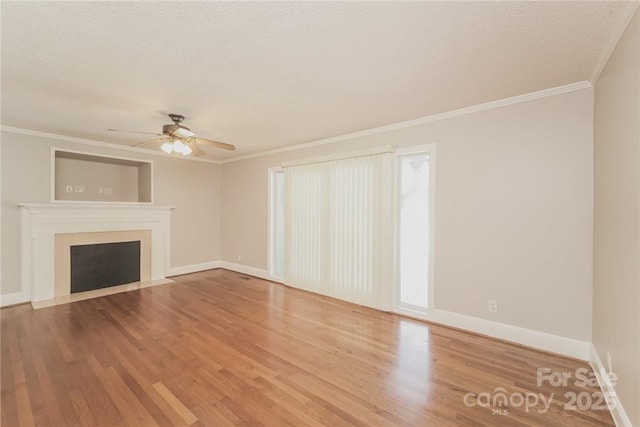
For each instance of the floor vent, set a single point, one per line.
(244, 277)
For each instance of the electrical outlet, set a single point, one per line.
(239, 257)
(108, 190)
(79, 188)
(493, 306)
(100, 190)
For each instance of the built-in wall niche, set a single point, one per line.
(83, 177)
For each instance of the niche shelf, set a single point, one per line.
(90, 178)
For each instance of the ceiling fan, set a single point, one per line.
(178, 139)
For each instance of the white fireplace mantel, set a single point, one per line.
(41, 222)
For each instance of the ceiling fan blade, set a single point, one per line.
(134, 131)
(215, 144)
(197, 151)
(153, 141)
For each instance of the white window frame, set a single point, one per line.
(399, 307)
(272, 171)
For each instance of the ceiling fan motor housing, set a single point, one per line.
(170, 129)
(177, 130)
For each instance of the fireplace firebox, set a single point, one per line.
(102, 265)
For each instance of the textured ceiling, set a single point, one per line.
(262, 75)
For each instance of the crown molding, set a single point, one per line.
(632, 7)
(57, 137)
(420, 121)
(382, 129)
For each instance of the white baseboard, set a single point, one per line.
(14, 298)
(245, 269)
(529, 337)
(541, 340)
(620, 417)
(193, 268)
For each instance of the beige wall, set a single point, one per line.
(122, 179)
(513, 210)
(192, 187)
(616, 299)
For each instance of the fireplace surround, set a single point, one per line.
(43, 226)
(65, 244)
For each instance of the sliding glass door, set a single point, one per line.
(330, 226)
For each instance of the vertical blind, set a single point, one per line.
(338, 227)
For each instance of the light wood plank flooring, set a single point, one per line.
(219, 349)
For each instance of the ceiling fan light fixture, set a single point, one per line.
(178, 146)
(167, 147)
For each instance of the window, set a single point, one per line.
(414, 232)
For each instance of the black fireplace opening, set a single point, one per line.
(102, 265)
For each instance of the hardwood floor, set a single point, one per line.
(218, 349)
